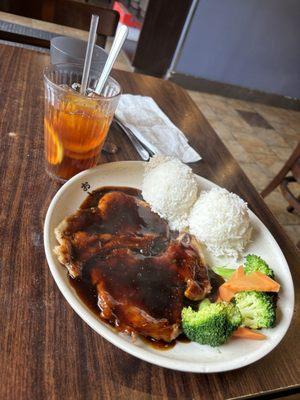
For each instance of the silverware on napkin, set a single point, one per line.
(153, 128)
(143, 151)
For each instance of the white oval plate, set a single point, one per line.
(190, 357)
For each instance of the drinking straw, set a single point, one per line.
(89, 53)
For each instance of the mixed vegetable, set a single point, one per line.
(212, 324)
(246, 301)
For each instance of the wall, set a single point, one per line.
(250, 43)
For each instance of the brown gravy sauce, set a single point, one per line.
(88, 293)
(93, 199)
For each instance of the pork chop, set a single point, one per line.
(119, 220)
(143, 294)
(143, 274)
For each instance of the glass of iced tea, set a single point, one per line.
(75, 125)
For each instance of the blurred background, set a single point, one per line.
(239, 60)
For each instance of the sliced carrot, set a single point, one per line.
(219, 298)
(240, 282)
(225, 293)
(238, 274)
(254, 281)
(246, 333)
(258, 275)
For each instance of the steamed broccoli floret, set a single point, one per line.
(212, 324)
(255, 263)
(257, 308)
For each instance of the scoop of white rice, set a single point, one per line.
(171, 189)
(220, 220)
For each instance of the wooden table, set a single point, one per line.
(47, 351)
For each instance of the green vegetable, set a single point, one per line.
(258, 309)
(255, 263)
(212, 324)
(224, 272)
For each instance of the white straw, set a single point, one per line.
(89, 53)
(118, 42)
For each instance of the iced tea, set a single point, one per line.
(75, 128)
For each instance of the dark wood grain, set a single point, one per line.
(46, 350)
(32, 41)
(67, 13)
(78, 15)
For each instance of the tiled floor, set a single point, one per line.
(261, 138)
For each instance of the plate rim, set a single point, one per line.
(100, 328)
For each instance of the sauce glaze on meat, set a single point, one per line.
(124, 260)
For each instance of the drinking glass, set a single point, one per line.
(65, 49)
(75, 125)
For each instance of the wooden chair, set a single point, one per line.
(63, 12)
(292, 165)
(78, 15)
(23, 35)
